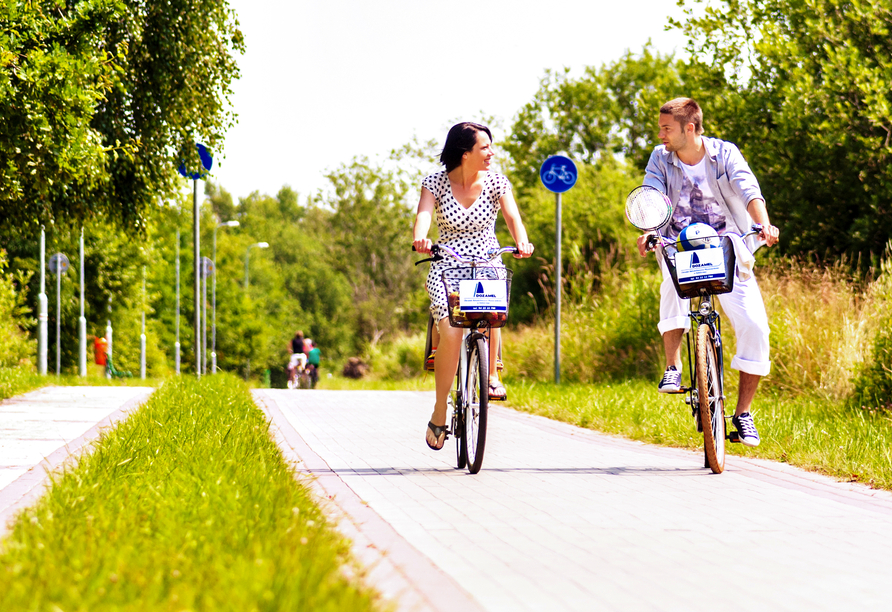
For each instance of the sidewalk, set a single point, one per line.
(562, 518)
(41, 429)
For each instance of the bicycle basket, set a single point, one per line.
(478, 295)
(703, 271)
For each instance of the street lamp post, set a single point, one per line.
(214, 296)
(259, 245)
(82, 320)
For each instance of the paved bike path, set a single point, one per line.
(563, 518)
(40, 430)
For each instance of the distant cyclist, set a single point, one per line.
(313, 358)
(298, 360)
(708, 181)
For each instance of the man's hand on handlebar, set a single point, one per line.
(646, 242)
(524, 249)
(769, 235)
(422, 245)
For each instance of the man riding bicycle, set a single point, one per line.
(708, 181)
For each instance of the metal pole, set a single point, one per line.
(214, 305)
(204, 316)
(58, 316)
(142, 336)
(196, 257)
(247, 258)
(176, 345)
(557, 291)
(82, 320)
(108, 329)
(43, 306)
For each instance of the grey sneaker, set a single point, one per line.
(746, 429)
(671, 382)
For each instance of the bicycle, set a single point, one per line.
(478, 295)
(712, 274)
(565, 176)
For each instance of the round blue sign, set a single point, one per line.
(207, 160)
(558, 173)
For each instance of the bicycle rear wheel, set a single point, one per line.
(712, 404)
(476, 404)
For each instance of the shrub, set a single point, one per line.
(873, 382)
(16, 348)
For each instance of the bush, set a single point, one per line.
(16, 348)
(873, 382)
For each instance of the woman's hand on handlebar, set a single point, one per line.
(524, 249)
(422, 245)
(646, 242)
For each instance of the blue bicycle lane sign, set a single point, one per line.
(558, 173)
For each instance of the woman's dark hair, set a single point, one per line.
(460, 140)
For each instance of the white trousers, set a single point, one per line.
(744, 308)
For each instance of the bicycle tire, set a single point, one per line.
(712, 404)
(476, 404)
(458, 425)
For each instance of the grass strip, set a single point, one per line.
(15, 381)
(186, 505)
(815, 434)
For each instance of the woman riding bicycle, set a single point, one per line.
(467, 198)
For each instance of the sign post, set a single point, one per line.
(207, 269)
(82, 320)
(59, 266)
(558, 174)
(43, 307)
(206, 162)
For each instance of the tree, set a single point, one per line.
(609, 110)
(102, 99)
(56, 69)
(370, 235)
(811, 108)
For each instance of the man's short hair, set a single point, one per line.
(685, 111)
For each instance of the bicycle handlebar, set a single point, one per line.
(655, 239)
(438, 249)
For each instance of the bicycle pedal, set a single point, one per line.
(734, 437)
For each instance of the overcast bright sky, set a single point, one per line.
(324, 81)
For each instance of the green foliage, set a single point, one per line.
(608, 334)
(101, 99)
(610, 110)
(16, 348)
(368, 238)
(811, 433)
(54, 71)
(188, 504)
(803, 88)
(873, 384)
(18, 380)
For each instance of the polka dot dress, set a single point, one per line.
(470, 231)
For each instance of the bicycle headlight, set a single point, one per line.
(705, 307)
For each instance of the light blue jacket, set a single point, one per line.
(729, 176)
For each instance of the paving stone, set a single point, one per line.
(562, 518)
(40, 430)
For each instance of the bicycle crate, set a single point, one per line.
(477, 294)
(716, 284)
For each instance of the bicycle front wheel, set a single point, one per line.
(476, 403)
(712, 404)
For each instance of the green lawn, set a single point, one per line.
(186, 505)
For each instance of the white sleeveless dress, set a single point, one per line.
(470, 231)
